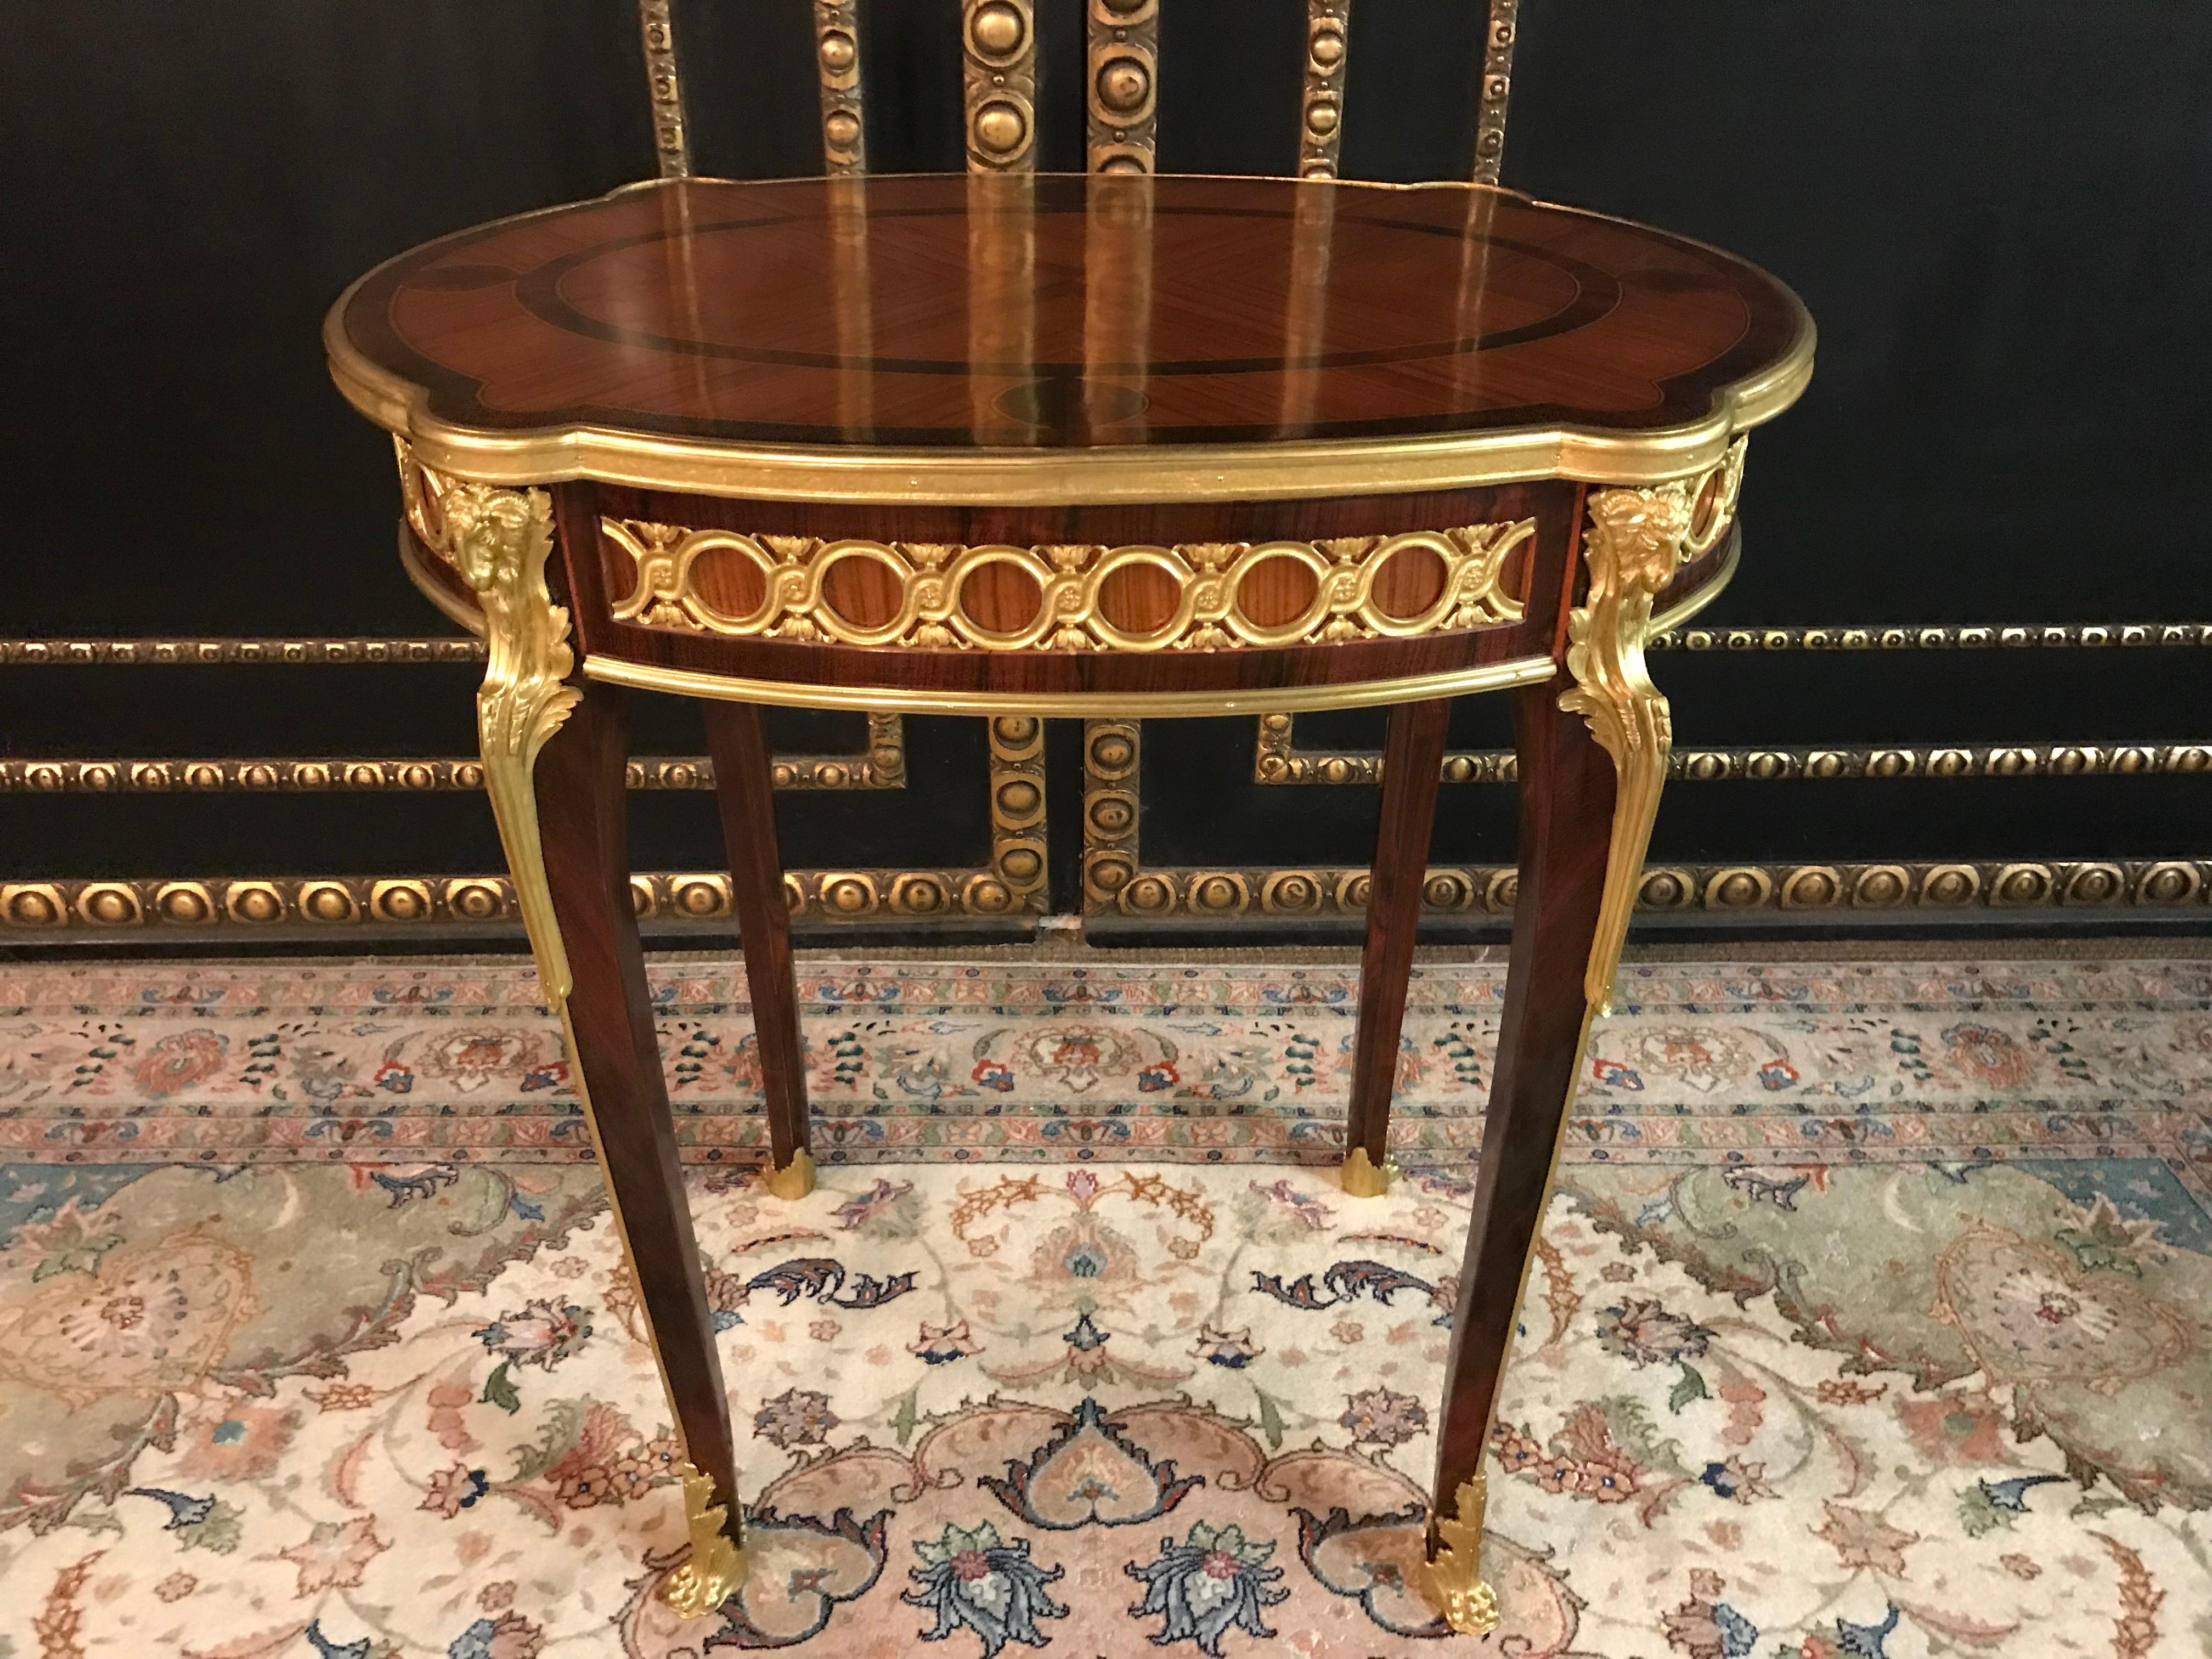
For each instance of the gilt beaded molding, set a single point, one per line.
(1497, 89)
(1321, 102)
(998, 43)
(1120, 92)
(664, 86)
(1069, 581)
(881, 765)
(1011, 883)
(1117, 883)
(837, 62)
(1109, 811)
(300, 651)
(1276, 759)
(67, 907)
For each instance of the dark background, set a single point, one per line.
(1995, 213)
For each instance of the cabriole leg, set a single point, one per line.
(744, 789)
(1593, 747)
(553, 756)
(1412, 761)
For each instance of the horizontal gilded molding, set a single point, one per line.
(1117, 882)
(1011, 883)
(1261, 700)
(1967, 636)
(882, 766)
(72, 906)
(1277, 760)
(227, 651)
(201, 650)
(1226, 894)
(1070, 583)
(245, 902)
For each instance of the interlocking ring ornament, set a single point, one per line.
(1208, 578)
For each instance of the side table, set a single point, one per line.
(1025, 447)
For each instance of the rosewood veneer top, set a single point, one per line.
(1104, 338)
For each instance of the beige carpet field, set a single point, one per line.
(1874, 1318)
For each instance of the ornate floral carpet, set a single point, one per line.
(1873, 1318)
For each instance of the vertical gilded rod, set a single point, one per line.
(671, 137)
(1109, 811)
(1120, 94)
(998, 45)
(1497, 85)
(1320, 108)
(837, 60)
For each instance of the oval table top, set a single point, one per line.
(1065, 338)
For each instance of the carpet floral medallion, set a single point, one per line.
(1873, 1317)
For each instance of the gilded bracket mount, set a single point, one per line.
(716, 1570)
(1452, 1579)
(1635, 541)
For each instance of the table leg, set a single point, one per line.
(1412, 761)
(553, 756)
(745, 790)
(1593, 747)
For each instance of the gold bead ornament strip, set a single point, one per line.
(1016, 881)
(1069, 581)
(837, 60)
(75, 906)
(300, 651)
(1276, 760)
(1497, 89)
(998, 43)
(237, 652)
(881, 765)
(1973, 636)
(1115, 881)
(1321, 102)
(105, 905)
(1225, 894)
(1121, 89)
(671, 138)
(1109, 811)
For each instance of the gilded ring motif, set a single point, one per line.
(1209, 578)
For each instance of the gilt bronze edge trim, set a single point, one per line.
(1157, 705)
(985, 478)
